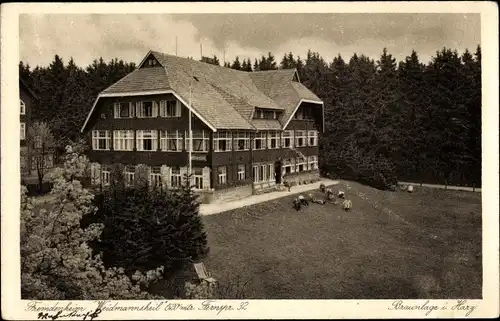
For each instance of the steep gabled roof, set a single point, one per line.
(278, 85)
(223, 98)
(154, 78)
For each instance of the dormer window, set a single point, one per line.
(123, 110)
(22, 107)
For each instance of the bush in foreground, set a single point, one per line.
(56, 260)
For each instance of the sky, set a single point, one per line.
(86, 37)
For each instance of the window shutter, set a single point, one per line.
(138, 108)
(131, 109)
(206, 177)
(117, 110)
(177, 108)
(165, 176)
(163, 104)
(155, 109)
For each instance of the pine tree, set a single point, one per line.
(247, 66)
(256, 65)
(236, 64)
(145, 227)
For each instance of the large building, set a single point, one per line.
(250, 130)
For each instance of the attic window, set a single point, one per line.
(195, 78)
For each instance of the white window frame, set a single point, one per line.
(241, 172)
(140, 109)
(298, 162)
(168, 136)
(175, 177)
(142, 135)
(263, 172)
(129, 173)
(165, 110)
(313, 163)
(300, 134)
(155, 176)
(260, 136)
(288, 163)
(202, 135)
(117, 107)
(287, 134)
(105, 175)
(222, 136)
(23, 131)
(222, 175)
(275, 115)
(22, 107)
(198, 178)
(241, 136)
(274, 135)
(98, 135)
(312, 134)
(123, 140)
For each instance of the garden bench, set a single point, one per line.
(203, 275)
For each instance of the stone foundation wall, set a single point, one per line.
(297, 178)
(226, 194)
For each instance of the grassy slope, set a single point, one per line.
(324, 252)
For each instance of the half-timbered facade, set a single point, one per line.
(250, 130)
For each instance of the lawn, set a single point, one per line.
(391, 245)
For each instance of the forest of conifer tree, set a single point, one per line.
(384, 120)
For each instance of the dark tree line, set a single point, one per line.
(385, 120)
(67, 91)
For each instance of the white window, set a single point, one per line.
(198, 178)
(259, 113)
(300, 138)
(288, 166)
(124, 110)
(123, 140)
(105, 175)
(300, 165)
(23, 131)
(299, 114)
(313, 162)
(222, 141)
(287, 138)
(201, 141)
(313, 137)
(22, 107)
(147, 109)
(171, 141)
(155, 176)
(259, 142)
(263, 173)
(175, 177)
(241, 172)
(170, 108)
(101, 140)
(147, 140)
(275, 115)
(242, 141)
(129, 175)
(222, 174)
(273, 140)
